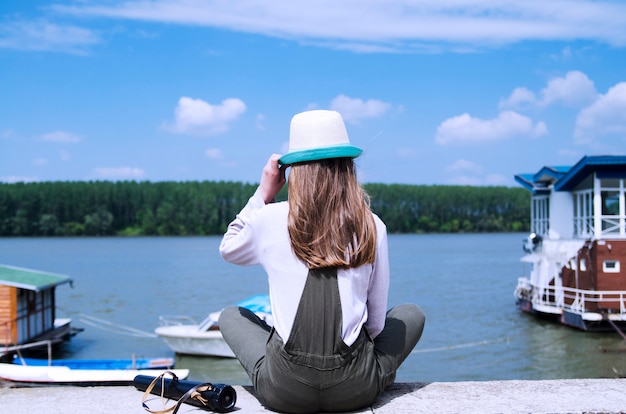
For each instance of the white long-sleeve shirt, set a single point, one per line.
(259, 235)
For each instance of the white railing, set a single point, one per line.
(613, 226)
(583, 227)
(540, 226)
(580, 300)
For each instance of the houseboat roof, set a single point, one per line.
(565, 178)
(607, 166)
(30, 279)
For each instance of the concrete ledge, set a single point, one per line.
(606, 396)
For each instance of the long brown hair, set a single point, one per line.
(330, 222)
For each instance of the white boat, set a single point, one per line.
(85, 372)
(184, 336)
(577, 245)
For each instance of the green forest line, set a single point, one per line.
(130, 208)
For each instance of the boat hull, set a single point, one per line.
(184, 336)
(187, 340)
(589, 323)
(100, 364)
(86, 377)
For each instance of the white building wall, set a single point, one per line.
(561, 215)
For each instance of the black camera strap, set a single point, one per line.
(195, 393)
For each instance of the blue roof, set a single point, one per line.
(526, 180)
(607, 166)
(550, 174)
(566, 178)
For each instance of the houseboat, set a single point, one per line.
(576, 251)
(28, 317)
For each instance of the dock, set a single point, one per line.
(571, 396)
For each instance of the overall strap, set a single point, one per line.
(318, 323)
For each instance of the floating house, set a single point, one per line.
(28, 308)
(577, 246)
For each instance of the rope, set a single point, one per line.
(113, 327)
(459, 346)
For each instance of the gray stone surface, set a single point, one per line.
(582, 396)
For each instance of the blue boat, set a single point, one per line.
(134, 363)
(85, 372)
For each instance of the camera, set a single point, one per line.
(219, 398)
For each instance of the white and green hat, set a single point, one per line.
(317, 135)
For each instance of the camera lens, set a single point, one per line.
(227, 398)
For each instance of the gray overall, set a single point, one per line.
(315, 370)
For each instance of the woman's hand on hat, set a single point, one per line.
(272, 179)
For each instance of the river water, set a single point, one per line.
(463, 282)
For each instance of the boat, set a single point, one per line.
(184, 336)
(577, 244)
(84, 374)
(28, 317)
(131, 363)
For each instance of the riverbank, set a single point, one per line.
(606, 396)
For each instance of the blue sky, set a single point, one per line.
(434, 91)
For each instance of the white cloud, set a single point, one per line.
(7, 133)
(565, 54)
(490, 179)
(354, 110)
(260, 122)
(386, 25)
(464, 165)
(519, 97)
(64, 155)
(40, 162)
(118, 173)
(471, 173)
(508, 124)
(213, 153)
(574, 89)
(197, 117)
(496, 179)
(41, 35)
(18, 179)
(604, 117)
(61, 136)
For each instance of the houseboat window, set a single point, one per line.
(540, 215)
(610, 203)
(583, 265)
(583, 213)
(610, 266)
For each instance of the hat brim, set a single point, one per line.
(314, 154)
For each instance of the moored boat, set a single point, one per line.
(130, 363)
(577, 245)
(184, 336)
(28, 318)
(59, 374)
